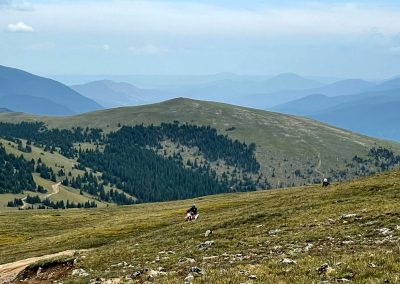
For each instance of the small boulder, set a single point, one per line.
(189, 278)
(348, 216)
(208, 233)
(323, 268)
(195, 271)
(205, 245)
(288, 261)
(79, 272)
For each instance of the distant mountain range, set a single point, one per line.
(340, 88)
(112, 94)
(371, 113)
(24, 92)
(354, 104)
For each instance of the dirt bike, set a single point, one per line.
(191, 217)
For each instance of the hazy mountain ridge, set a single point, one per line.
(5, 110)
(371, 113)
(115, 94)
(46, 96)
(228, 88)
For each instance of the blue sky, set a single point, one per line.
(357, 39)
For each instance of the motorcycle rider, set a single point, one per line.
(191, 213)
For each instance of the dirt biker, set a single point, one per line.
(325, 182)
(192, 210)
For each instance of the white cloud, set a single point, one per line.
(19, 27)
(149, 49)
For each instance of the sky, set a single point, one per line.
(346, 39)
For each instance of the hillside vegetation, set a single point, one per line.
(290, 150)
(348, 232)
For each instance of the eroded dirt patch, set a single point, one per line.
(45, 273)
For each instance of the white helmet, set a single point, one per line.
(325, 180)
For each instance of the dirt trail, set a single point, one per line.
(319, 165)
(56, 189)
(10, 270)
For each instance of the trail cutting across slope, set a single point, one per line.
(9, 271)
(56, 189)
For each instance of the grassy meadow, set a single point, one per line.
(349, 231)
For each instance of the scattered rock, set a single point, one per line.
(79, 272)
(186, 260)
(329, 221)
(210, 257)
(253, 277)
(383, 231)
(205, 245)
(208, 233)
(372, 265)
(154, 273)
(243, 272)
(323, 268)
(308, 247)
(136, 274)
(342, 280)
(273, 232)
(348, 216)
(288, 261)
(195, 271)
(189, 278)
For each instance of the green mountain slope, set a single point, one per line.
(291, 150)
(348, 232)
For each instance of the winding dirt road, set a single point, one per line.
(56, 189)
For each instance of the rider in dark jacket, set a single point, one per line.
(192, 210)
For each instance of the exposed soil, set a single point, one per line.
(46, 273)
(11, 271)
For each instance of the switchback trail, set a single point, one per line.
(56, 189)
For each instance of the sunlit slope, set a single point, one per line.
(279, 236)
(284, 143)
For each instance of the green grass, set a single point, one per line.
(243, 226)
(284, 143)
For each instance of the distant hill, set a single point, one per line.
(388, 85)
(5, 110)
(290, 81)
(340, 88)
(113, 94)
(241, 91)
(228, 88)
(290, 150)
(25, 92)
(369, 113)
(377, 119)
